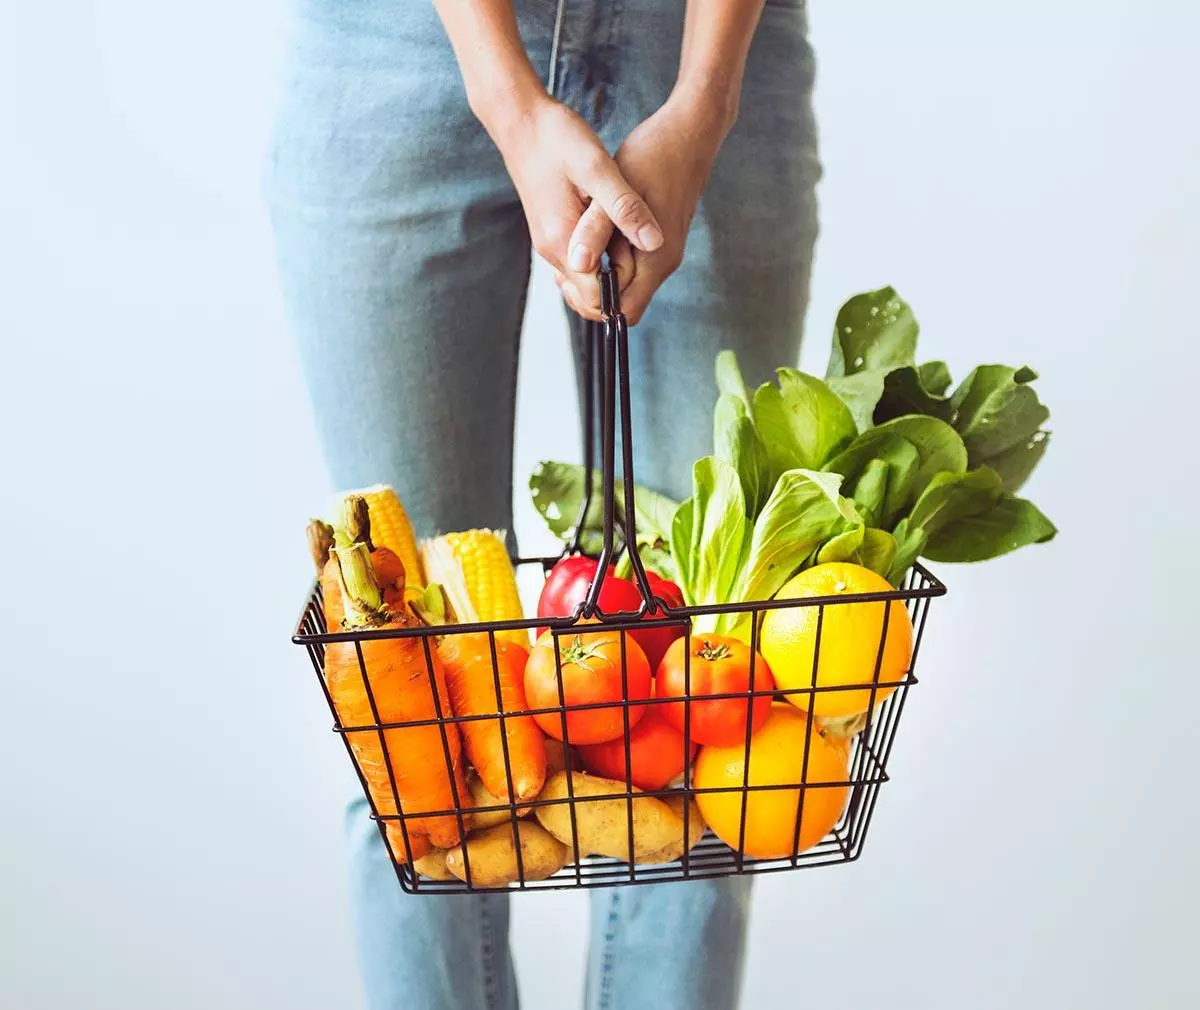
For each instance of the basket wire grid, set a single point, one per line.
(710, 857)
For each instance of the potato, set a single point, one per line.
(603, 825)
(696, 829)
(433, 865)
(494, 857)
(556, 758)
(480, 797)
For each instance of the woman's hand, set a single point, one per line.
(561, 170)
(667, 159)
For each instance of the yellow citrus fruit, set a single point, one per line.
(850, 635)
(776, 758)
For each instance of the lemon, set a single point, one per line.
(850, 638)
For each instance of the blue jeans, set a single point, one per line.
(404, 258)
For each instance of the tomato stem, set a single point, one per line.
(578, 654)
(712, 653)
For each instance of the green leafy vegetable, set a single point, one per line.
(878, 550)
(998, 414)
(557, 490)
(916, 448)
(729, 378)
(870, 488)
(904, 392)
(910, 543)
(967, 517)
(952, 496)
(711, 530)
(802, 422)
(935, 377)
(736, 441)
(1016, 464)
(875, 330)
(682, 536)
(860, 393)
(877, 465)
(1012, 523)
(804, 511)
(861, 545)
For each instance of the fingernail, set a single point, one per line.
(579, 258)
(650, 236)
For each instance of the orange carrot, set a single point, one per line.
(470, 678)
(400, 685)
(389, 571)
(418, 845)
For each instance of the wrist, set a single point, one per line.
(708, 102)
(506, 99)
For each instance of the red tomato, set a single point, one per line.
(670, 593)
(568, 583)
(719, 665)
(655, 752)
(591, 673)
(656, 641)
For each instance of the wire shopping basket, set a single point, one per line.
(797, 790)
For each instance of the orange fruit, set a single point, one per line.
(850, 636)
(776, 758)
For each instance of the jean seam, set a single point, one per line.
(604, 999)
(487, 956)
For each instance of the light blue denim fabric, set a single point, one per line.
(404, 259)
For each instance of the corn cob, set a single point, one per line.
(474, 569)
(390, 528)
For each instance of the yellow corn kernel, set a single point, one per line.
(476, 564)
(390, 528)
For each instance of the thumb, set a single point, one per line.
(624, 207)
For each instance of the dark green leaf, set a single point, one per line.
(903, 462)
(910, 542)
(953, 496)
(1012, 523)
(870, 488)
(997, 410)
(557, 490)
(873, 330)
(1016, 464)
(935, 444)
(905, 393)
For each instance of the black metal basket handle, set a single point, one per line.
(609, 340)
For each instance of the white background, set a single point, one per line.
(1025, 173)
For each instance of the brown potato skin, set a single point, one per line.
(433, 865)
(603, 825)
(480, 797)
(493, 856)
